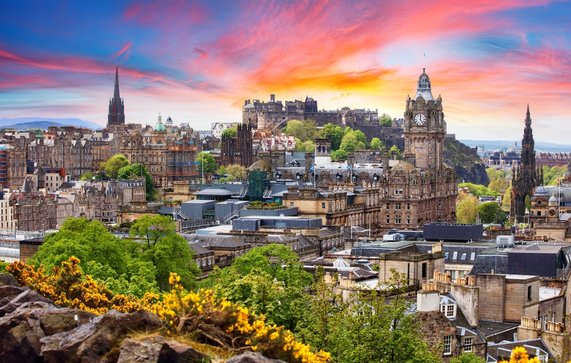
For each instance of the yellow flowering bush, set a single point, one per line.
(519, 355)
(201, 314)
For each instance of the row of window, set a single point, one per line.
(462, 257)
(467, 346)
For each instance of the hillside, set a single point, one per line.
(24, 123)
(465, 162)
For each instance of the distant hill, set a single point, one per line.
(465, 162)
(505, 144)
(24, 123)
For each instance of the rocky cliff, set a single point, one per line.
(465, 161)
(34, 329)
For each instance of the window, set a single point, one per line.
(323, 205)
(529, 293)
(473, 256)
(539, 213)
(468, 341)
(424, 270)
(388, 206)
(407, 219)
(446, 255)
(397, 219)
(388, 219)
(463, 258)
(397, 206)
(447, 345)
(455, 255)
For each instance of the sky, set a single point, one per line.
(197, 61)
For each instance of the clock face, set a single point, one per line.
(420, 119)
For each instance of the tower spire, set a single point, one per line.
(116, 93)
(116, 114)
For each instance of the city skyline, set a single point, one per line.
(198, 61)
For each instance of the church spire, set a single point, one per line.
(116, 114)
(424, 89)
(116, 94)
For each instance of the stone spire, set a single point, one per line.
(424, 89)
(116, 114)
(527, 176)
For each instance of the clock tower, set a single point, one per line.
(424, 127)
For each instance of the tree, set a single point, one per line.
(477, 190)
(151, 228)
(552, 175)
(386, 120)
(207, 159)
(268, 280)
(334, 133)
(303, 130)
(236, 172)
(367, 329)
(113, 164)
(507, 198)
(230, 132)
(498, 180)
(377, 144)
(349, 142)
(395, 152)
(309, 146)
(466, 208)
(167, 251)
(86, 176)
(136, 171)
(491, 212)
(339, 155)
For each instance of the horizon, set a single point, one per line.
(198, 61)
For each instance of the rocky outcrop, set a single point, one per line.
(251, 357)
(465, 162)
(34, 329)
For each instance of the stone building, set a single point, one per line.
(398, 194)
(238, 150)
(33, 211)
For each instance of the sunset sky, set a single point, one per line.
(198, 61)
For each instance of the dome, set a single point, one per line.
(553, 201)
(424, 88)
(160, 127)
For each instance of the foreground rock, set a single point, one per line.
(33, 329)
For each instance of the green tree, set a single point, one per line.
(395, 152)
(167, 251)
(339, 155)
(230, 132)
(86, 176)
(151, 228)
(349, 142)
(303, 130)
(477, 190)
(466, 208)
(507, 198)
(370, 328)
(334, 133)
(268, 280)
(553, 175)
(136, 171)
(377, 144)
(491, 212)
(207, 159)
(386, 120)
(113, 164)
(236, 172)
(309, 146)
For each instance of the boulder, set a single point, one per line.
(99, 340)
(251, 357)
(22, 329)
(23, 297)
(140, 351)
(175, 352)
(8, 280)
